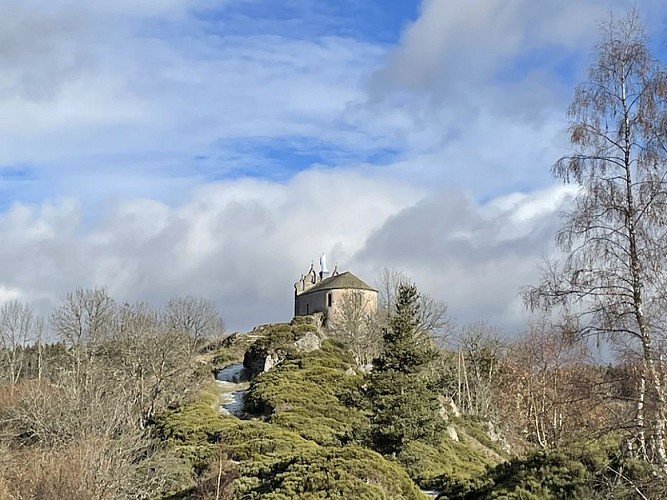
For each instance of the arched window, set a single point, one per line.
(329, 300)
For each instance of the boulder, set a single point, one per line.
(309, 342)
(263, 356)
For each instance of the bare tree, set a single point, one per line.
(479, 350)
(549, 392)
(151, 358)
(196, 316)
(84, 319)
(434, 321)
(614, 237)
(18, 328)
(356, 325)
(82, 428)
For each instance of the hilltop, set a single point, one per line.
(303, 428)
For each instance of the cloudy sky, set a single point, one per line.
(217, 147)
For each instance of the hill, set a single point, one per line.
(303, 431)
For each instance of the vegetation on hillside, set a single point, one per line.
(122, 403)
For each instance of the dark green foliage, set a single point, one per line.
(346, 473)
(54, 358)
(404, 404)
(404, 409)
(588, 471)
(308, 394)
(542, 475)
(193, 429)
(315, 413)
(405, 350)
(275, 463)
(431, 465)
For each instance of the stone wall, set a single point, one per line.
(318, 301)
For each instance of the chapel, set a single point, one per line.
(325, 292)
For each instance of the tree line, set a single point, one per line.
(75, 411)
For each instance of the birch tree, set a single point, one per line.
(612, 277)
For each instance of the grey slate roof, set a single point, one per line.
(344, 280)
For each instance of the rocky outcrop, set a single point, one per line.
(271, 350)
(308, 343)
(258, 361)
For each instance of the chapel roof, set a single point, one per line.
(343, 280)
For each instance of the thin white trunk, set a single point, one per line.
(641, 434)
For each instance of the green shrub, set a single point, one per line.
(279, 336)
(193, 430)
(540, 476)
(275, 463)
(346, 473)
(476, 427)
(431, 465)
(581, 471)
(305, 328)
(303, 320)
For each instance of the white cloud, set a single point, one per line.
(473, 257)
(241, 243)
(244, 243)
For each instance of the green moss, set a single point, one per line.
(279, 336)
(274, 463)
(256, 440)
(305, 328)
(303, 320)
(346, 473)
(308, 395)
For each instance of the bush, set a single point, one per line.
(193, 430)
(324, 472)
(432, 465)
(582, 471)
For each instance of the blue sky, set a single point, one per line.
(215, 148)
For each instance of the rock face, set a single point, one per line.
(263, 356)
(309, 342)
(451, 432)
(256, 362)
(496, 437)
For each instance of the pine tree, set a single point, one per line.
(404, 404)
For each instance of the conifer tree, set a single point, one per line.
(404, 404)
